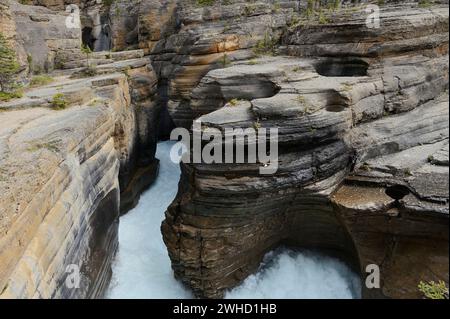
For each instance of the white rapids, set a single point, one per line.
(142, 267)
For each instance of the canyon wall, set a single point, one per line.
(362, 118)
(76, 151)
(361, 113)
(9, 33)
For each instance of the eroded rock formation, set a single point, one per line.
(362, 112)
(74, 154)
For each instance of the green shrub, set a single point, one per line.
(59, 101)
(233, 102)
(86, 72)
(433, 290)
(8, 64)
(225, 60)
(85, 49)
(41, 80)
(424, 3)
(6, 96)
(205, 3)
(108, 2)
(267, 45)
(322, 18)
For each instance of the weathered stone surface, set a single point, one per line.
(362, 115)
(9, 31)
(210, 37)
(354, 120)
(61, 195)
(68, 173)
(43, 34)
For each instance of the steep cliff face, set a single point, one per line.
(61, 170)
(44, 35)
(8, 31)
(74, 154)
(60, 207)
(362, 112)
(212, 36)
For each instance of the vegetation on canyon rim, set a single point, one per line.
(8, 67)
(434, 290)
(59, 101)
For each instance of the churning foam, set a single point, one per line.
(142, 267)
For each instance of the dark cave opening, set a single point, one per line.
(87, 39)
(342, 67)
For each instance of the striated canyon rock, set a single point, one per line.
(59, 170)
(74, 154)
(362, 118)
(8, 30)
(64, 171)
(43, 34)
(210, 37)
(362, 114)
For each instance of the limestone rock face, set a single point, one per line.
(210, 37)
(74, 154)
(156, 20)
(60, 172)
(124, 24)
(44, 34)
(9, 31)
(187, 40)
(362, 118)
(64, 196)
(95, 19)
(361, 113)
(142, 23)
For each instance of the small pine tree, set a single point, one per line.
(8, 64)
(86, 50)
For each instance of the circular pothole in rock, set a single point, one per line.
(397, 192)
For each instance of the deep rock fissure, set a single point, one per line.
(285, 256)
(360, 112)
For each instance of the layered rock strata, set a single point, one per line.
(210, 37)
(94, 15)
(43, 33)
(61, 200)
(74, 154)
(362, 116)
(8, 31)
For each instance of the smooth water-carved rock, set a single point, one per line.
(60, 172)
(211, 37)
(75, 154)
(359, 112)
(362, 114)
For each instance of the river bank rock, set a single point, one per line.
(358, 122)
(75, 153)
(362, 118)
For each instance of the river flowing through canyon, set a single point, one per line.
(142, 267)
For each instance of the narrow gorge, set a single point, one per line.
(90, 91)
